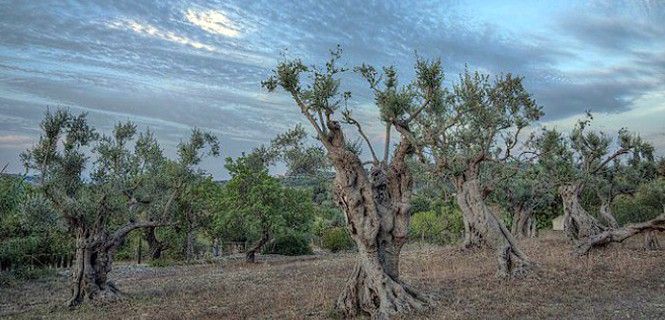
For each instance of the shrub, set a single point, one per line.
(293, 244)
(336, 239)
(438, 227)
(426, 226)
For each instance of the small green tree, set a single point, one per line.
(259, 203)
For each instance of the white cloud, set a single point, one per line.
(151, 31)
(214, 22)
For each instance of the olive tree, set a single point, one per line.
(100, 210)
(478, 122)
(523, 192)
(581, 158)
(374, 195)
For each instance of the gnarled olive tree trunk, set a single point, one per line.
(605, 213)
(95, 248)
(377, 210)
(577, 223)
(484, 229)
(155, 247)
(524, 226)
(651, 241)
(250, 255)
(620, 234)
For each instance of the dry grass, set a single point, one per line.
(619, 282)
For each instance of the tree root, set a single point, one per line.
(379, 296)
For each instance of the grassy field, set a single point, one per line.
(620, 282)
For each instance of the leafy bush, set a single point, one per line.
(336, 239)
(439, 227)
(426, 226)
(293, 244)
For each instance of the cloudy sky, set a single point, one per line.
(174, 65)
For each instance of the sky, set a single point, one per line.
(174, 65)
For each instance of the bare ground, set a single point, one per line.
(619, 282)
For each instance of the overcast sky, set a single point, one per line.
(174, 65)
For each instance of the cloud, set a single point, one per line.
(213, 21)
(151, 31)
(172, 65)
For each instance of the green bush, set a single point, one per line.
(336, 239)
(438, 227)
(290, 245)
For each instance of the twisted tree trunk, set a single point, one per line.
(577, 223)
(484, 229)
(621, 234)
(524, 226)
(377, 211)
(95, 248)
(155, 247)
(250, 255)
(651, 241)
(606, 214)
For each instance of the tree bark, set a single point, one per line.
(250, 255)
(607, 216)
(377, 210)
(524, 226)
(484, 229)
(92, 264)
(155, 247)
(651, 241)
(577, 223)
(621, 234)
(95, 248)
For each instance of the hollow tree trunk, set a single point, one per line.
(95, 248)
(524, 226)
(607, 216)
(377, 210)
(621, 234)
(485, 228)
(577, 223)
(250, 255)
(94, 258)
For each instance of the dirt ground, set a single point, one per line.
(619, 282)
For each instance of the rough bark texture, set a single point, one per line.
(651, 241)
(155, 247)
(95, 248)
(377, 210)
(578, 223)
(484, 229)
(607, 216)
(621, 234)
(524, 226)
(250, 255)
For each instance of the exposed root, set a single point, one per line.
(512, 263)
(378, 296)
